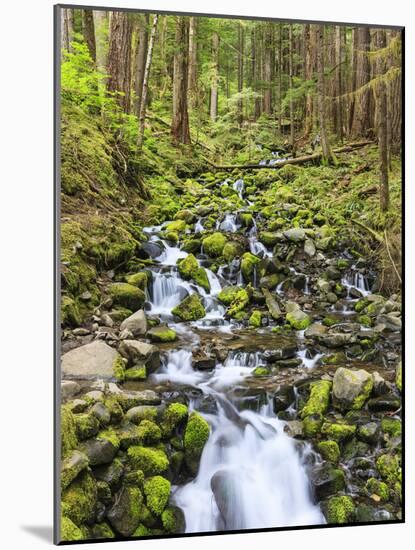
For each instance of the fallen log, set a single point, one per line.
(299, 160)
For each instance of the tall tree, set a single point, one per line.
(309, 49)
(381, 119)
(119, 58)
(192, 75)
(214, 87)
(362, 123)
(140, 59)
(67, 28)
(268, 69)
(290, 80)
(180, 121)
(88, 31)
(100, 28)
(321, 95)
(241, 53)
(339, 82)
(144, 91)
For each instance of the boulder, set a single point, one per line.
(125, 514)
(126, 295)
(99, 451)
(130, 399)
(351, 388)
(162, 334)
(315, 330)
(299, 320)
(283, 398)
(140, 352)
(71, 466)
(327, 480)
(272, 304)
(94, 360)
(135, 323)
(190, 309)
(309, 248)
(296, 234)
(69, 388)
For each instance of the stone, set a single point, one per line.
(135, 323)
(309, 248)
(327, 480)
(294, 428)
(101, 413)
(388, 402)
(272, 304)
(351, 388)
(190, 309)
(295, 234)
(69, 388)
(140, 352)
(162, 334)
(390, 322)
(130, 399)
(285, 351)
(71, 466)
(369, 433)
(299, 320)
(110, 473)
(94, 360)
(126, 295)
(336, 340)
(99, 451)
(125, 514)
(315, 330)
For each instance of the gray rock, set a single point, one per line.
(110, 473)
(369, 433)
(78, 405)
(95, 395)
(136, 323)
(351, 388)
(69, 388)
(390, 321)
(294, 428)
(389, 402)
(284, 351)
(80, 331)
(140, 352)
(226, 489)
(323, 285)
(327, 480)
(131, 399)
(272, 304)
(99, 451)
(283, 398)
(296, 234)
(71, 466)
(101, 413)
(309, 248)
(121, 515)
(380, 386)
(315, 330)
(336, 340)
(94, 360)
(142, 412)
(291, 306)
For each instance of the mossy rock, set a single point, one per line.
(190, 309)
(228, 294)
(398, 377)
(312, 425)
(139, 280)
(298, 320)
(157, 492)
(174, 415)
(329, 450)
(102, 531)
(150, 460)
(70, 531)
(232, 250)
(189, 269)
(214, 244)
(126, 295)
(148, 433)
(240, 301)
(391, 427)
(192, 245)
(340, 510)
(255, 319)
(69, 438)
(249, 264)
(261, 371)
(268, 238)
(388, 466)
(319, 399)
(338, 432)
(246, 218)
(79, 499)
(162, 334)
(195, 438)
(176, 226)
(135, 373)
(377, 490)
(87, 426)
(173, 520)
(70, 313)
(125, 513)
(187, 215)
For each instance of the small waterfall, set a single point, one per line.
(199, 226)
(229, 224)
(177, 367)
(357, 281)
(251, 474)
(239, 187)
(255, 246)
(309, 362)
(167, 290)
(171, 254)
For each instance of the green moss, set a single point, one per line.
(195, 437)
(126, 295)
(255, 319)
(87, 425)
(361, 304)
(329, 321)
(240, 301)
(228, 294)
(157, 492)
(148, 433)
(69, 438)
(392, 427)
(110, 435)
(360, 399)
(365, 320)
(162, 334)
(340, 509)
(269, 239)
(248, 266)
(190, 269)
(174, 415)
(178, 226)
(379, 488)
(70, 531)
(115, 409)
(398, 378)
(389, 468)
(247, 219)
(190, 309)
(213, 246)
(232, 250)
(319, 399)
(312, 424)
(260, 371)
(140, 280)
(172, 519)
(102, 531)
(136, 373)
(151, 461)
(118, 367)
(79, 500)
(329, 450)
(70, 313)
(338, 432)
(298, 320)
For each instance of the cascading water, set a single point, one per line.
(166, 292)
(239, 187)
(229, 224)
(255, 246)
(357, 281)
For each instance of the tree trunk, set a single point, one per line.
(119, 58)
(67, 29)
(381, 122)
(362, 119)
(180, 121)
(88, 30)
(241, 44)
(290, 79)
(308, 70)
(257, 74)
(192, 76)
(144, 92)
(339, 84)
(268, 70)
(100, 27)
(140, 60)
(352, 104)
(215, 78)
(327, 154)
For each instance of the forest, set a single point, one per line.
(231, 273)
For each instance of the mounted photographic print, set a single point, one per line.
(229, 274)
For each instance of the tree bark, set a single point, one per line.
(140, 60)
(339, 83)
(192, 75)
(268, 70)
(143, 103)
(67, 28)
(215, 78)
(180, 121)
(362, 117)
(88, 30)
(308, 70)
(100, 27)
(327, 154)
(381, 123)
(241, 47)
(290, 79)
(119, 59)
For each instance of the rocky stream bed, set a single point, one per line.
(247, 377)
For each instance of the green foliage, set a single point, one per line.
(157, 491)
